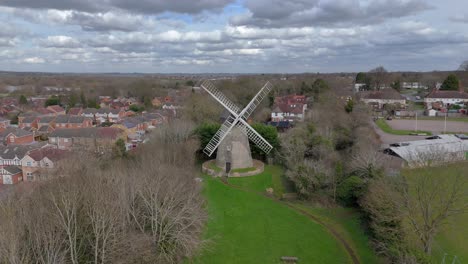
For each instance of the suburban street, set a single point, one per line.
(435, 126)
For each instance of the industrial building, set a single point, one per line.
(434, 150)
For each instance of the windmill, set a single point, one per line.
(232, 139)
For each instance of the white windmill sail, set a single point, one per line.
(237, 117)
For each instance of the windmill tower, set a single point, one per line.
(232, 139)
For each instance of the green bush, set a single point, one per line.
(350, 190)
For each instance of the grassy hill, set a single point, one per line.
(246, 227)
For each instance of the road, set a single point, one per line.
(435, 126)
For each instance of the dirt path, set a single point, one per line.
(331, 230)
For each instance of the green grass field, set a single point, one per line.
(346, 221)
(382, 124)
(455, 119)
(452, 239)
(246, 227)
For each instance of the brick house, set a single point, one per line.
(445, 98)
(289, 108)
(76, 111)
(71, 121)
(56, 109)
(38, 161)
(28, 121)
(18, 136)
(10, 175)
(4, 123)
(115, 115)
(13, 154)
(383, 97)
(45, 121)
(97, 139)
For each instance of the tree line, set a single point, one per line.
(145, 208)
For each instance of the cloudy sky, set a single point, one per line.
(198, 36)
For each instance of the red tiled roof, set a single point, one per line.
(296, 108)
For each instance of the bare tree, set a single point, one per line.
(430, 200)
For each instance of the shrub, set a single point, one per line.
(350, 190)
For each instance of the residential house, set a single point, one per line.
(76, 111)
(156, 102)
(38, 161)
(97, 139)
(359, 87)
(446, 98)
(412, 85)
(17, 136)
(45, 121)
(43, 111)
(13, 154)
(56, 109)
(289, 108)
(4, 123)
(115, 115)
(10, 175)
(28, 120)
(71, 121)
(156, 118)
(89, 112)
(380, 98)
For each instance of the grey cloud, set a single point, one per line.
(179, 6)
(460, 18)
(82, 5)
(299, 13)
(108, 21)
(140, 6)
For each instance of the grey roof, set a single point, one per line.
(12, 151)
(12, 169)
(70, 119)
(16, 131)
(29, 119)
(87, 132)
(384, 94)
(437, 148)
(43, 129)
(46, 119)
(438, 94)
(76, 119)
(89, 111)
(62, 119)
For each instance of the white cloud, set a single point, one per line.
(34, 60)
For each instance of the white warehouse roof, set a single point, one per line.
(436, 149)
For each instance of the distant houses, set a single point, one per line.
(443, 99)
(289, 108)
(93, 139)
(380, 98)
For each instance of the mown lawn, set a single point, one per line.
(245, 227)
(346, 222)
(452, 239)
(382, 124)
